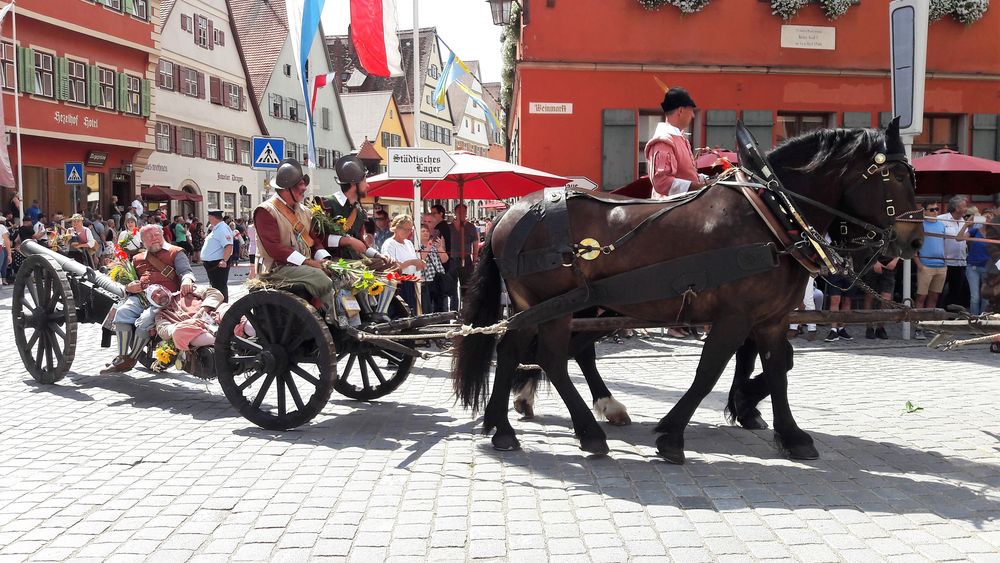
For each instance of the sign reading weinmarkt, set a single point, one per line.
(419, 164)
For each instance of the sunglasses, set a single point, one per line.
(933, 208)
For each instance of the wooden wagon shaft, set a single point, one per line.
(987, 327)
(800, 317)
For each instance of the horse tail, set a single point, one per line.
(473, 353)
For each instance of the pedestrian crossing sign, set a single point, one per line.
(74, 173)
(267, 152)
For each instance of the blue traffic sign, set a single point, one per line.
(74, 173)
(267, 153)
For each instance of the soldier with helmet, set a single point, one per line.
(289, 250)
(346, 203)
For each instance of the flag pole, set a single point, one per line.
(417, 83)
(17, 113)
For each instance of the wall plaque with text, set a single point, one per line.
(808, 37)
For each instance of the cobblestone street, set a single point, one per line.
(159, 467)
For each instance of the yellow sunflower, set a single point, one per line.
(376, 288)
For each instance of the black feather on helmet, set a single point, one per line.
(349, 169)
(288, 174)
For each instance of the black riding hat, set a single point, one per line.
(677, 98)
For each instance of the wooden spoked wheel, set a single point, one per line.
(280, 373)
(44, 319)
(367, 372)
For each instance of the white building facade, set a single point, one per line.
(204, 118)
(472, 132)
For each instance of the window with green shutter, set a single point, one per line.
(121, 90)
(146, 98)
(93, 85)
(76, 77)
(26, 70)
(62, 79)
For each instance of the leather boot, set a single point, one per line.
(120, 364)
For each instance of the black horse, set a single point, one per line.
(843, 170)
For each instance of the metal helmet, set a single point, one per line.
(288, 174)
(349, 169)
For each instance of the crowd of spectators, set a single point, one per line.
(92, 239)
(949, 269)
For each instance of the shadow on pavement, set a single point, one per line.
(853, 474)
(376, 425)
(155, 390)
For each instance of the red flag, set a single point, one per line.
(373, 31)
(318, 82)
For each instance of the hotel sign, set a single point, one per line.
(555, 108)
(808, 37)
(74, 120)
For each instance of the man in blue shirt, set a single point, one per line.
(34, 212)
(215, 252)
(931, 268)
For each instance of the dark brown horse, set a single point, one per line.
(842, 169)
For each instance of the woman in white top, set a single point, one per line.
(400, 247)
(128, 237)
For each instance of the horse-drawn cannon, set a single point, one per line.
(277, 359)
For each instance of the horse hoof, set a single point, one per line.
(595, 446)
(753, 422)
(505, 443)
(524, 408)
(671, 454)
(620, 421)
(803, 452)
(669, 449)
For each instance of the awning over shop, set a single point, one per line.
(163, 193)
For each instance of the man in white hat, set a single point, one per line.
(84, 241)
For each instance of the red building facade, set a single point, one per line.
(83, 70)
(590, 76)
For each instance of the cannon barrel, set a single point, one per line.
(70, 266)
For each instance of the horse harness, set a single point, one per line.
(687, 275)
(684, 277)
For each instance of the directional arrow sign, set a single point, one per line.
(419, 164)
(582, 182)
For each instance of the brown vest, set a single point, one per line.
(150, 274)
(296, 235)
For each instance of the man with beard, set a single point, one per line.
(347, 204)
(160, 264)
(289, 250)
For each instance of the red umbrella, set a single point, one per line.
(473, 177)
(949, 172)
(493, 205)
(716, 158)
(947, 160)
(163, 193)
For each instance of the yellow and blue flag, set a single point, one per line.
(452, 71)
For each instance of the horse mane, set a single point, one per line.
(827, 151)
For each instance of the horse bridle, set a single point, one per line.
(876, 236)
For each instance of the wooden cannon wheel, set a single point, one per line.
(283, 375)
(44, 319)
(362, 378)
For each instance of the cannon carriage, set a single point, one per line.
(277, 359)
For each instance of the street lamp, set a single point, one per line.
(127, 167)
(500, 10)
